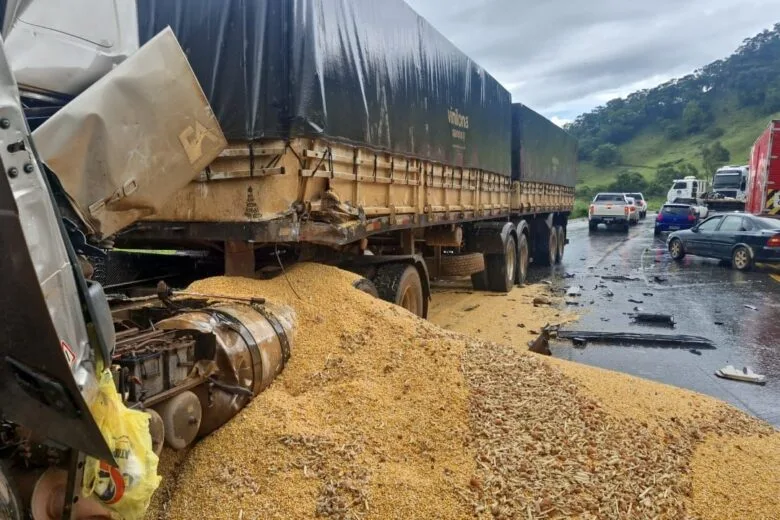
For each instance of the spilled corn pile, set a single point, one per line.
(382, 415)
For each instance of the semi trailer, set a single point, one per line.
(255, 133)
(357, 135)
(763, 185)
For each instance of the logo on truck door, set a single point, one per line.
(191, 139)
(773, 202)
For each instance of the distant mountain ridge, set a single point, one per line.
(678, 123)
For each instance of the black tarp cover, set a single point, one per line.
(366, 72)
(541, 150)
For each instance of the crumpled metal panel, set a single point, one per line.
(63, 47)
(47, 365)
(131, 140)
(363, 72)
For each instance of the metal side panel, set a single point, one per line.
(47, 371)
(124, 146)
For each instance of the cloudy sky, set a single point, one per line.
(565, 57)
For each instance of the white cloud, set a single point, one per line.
(564, 57)
(560, 121)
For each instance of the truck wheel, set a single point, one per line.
(522, 259)
(367, 286)
(400, 284)
(593, 226)
(464, 264)
(676, 249)
(741, 259)
(626, 225)
(546, 247)
(501, 268)
(561, 242)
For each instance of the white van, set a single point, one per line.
(688, 190)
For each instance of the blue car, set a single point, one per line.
(674, 217)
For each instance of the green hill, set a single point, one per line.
(643, 141)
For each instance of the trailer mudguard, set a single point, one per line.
(489, 237)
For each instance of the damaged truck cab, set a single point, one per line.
(92, 385)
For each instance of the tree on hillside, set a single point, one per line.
(673, 132)
(667, 173)
(605, 155)
(694, 117)
(772, 99)
(628, 181)
(751, 76)
(713, 157)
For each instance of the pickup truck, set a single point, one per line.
(609, 209)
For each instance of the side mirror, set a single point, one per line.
(695, 229)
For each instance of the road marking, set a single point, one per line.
(775, 277)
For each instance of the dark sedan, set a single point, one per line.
(740, 238)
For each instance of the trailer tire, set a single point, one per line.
(561, 243)
(501, 267)
(547, 247)
(464, 264)
(523, 257)
(401, 284)
(367, 286)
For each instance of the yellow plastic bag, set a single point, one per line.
(125, 490)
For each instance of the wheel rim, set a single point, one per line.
(523, 262)
(675, 248)
(511, 261)
(409, 301)
(740, 258)
(561, 244)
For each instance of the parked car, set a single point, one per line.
(674, 217)
(738, 237)
(633, 211)
(611, 209)
(641, 203)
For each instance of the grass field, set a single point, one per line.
(650, 148)
(643, 154)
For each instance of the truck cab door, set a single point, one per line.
(46, 362)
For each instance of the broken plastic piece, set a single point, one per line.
(643, 317)
(674, 340)
(746, 375)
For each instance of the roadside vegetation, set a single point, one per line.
(687, 126)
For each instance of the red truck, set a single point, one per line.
(763, 196)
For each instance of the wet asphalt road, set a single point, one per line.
(698, 292)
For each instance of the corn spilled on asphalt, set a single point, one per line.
(382, 415)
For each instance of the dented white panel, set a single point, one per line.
(63, 46)
(125, 145)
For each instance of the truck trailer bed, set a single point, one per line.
(312, 190)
